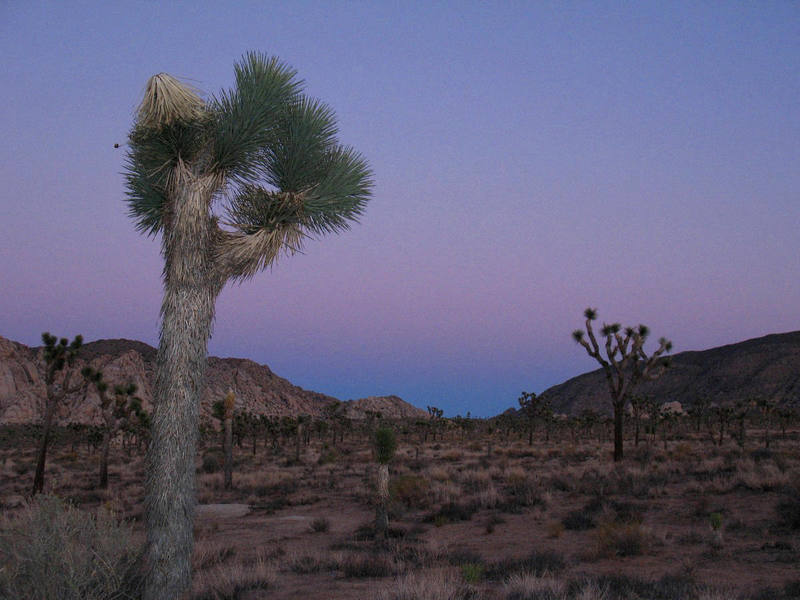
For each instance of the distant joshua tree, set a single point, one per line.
(533, 409)
(625, 365)
(268, 156)
(117, 412)
(59, 358)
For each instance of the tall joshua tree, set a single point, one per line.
(59, 358)
(626, 364)
(267, 158)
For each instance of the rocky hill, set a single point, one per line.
(766, 367)
(258, 389)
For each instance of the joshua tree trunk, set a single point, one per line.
(104, 458)
(228, 452)
(38, 479)
(618, 416)
(381, 512)
(187, 312)
(297, 439)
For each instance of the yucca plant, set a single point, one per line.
(266, 157)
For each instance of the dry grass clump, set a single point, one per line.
(622, 539)
(52, 550)
(428, 585)
(225, 581)
(527, 586)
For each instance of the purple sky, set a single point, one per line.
(531, 159)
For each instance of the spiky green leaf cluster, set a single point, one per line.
(58, 353)
(385, 444)
(273, 150)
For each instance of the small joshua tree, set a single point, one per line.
(626, 364)
(59, 358)
(117, 413)
(385, 445)
(533, 409)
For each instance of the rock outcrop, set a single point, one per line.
(258, 389)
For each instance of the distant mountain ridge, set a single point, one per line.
(766, 367)
(258, 389)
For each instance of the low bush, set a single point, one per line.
(537, 563)
(622, 539)
(211, 463)
(412, 491)
(577, 520)
(788, 509)
(53, 550)
(320, 525)
(367, 565)
(452, 512)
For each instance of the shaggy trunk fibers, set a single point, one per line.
(187, 312)
(381, 508)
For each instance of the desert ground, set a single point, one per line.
(472, 515)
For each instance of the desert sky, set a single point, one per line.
(530, 159)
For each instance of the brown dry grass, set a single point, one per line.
(464, 525)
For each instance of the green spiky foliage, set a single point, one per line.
(625, 364)
(230, 183)
(385, 442)
(59, 357)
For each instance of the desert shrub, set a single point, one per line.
(537, 563)
(621, 539)
(577, 520)
(493, 521)
(211, 463)
(668, 587)
(526, 586)
(472, 572)
(435, 585)
(55, 551)
(463, 556)
(555, 529)
(788, 510)
(367, 565)
(521, 491)
(320, 525)
(224, 582)
(307, 563)
(209, 555)
(328, 456)
(452, 512)
(411, 490)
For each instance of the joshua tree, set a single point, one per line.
(385, 445)
(59, 361)
(116, 412)
(268, 156)
(436, 421)
(533, 409)
(626, 364)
